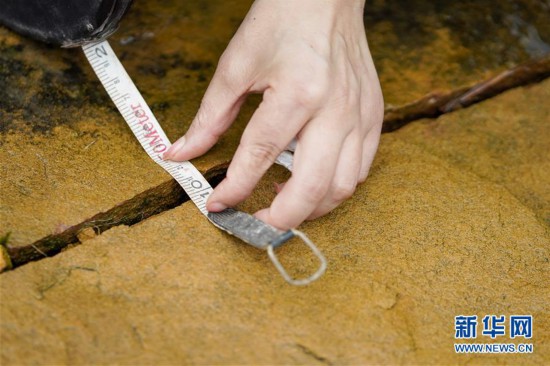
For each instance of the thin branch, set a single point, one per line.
(437, 103)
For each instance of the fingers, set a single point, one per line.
(352, 167)
(219, 107)
(345, 177)
(270, 130)
(370, 145)
(314, 167)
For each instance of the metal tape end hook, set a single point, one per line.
(303, 281)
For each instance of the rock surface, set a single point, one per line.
(426, 238)
(505, 142)
(423, 45)
(67, 155)
(66, 152)
(454, 218)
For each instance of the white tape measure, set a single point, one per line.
(152, 138)
(143, 123)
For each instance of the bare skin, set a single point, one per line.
(311, 61)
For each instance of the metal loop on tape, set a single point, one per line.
(284, 273)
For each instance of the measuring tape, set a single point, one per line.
(152, 138)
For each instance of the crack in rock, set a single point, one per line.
(437, 103)
(142, 206)
(311, 353)
(169, 194)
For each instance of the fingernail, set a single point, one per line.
(216, 207)
(174, 149)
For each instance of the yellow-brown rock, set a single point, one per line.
(67, 155)
(423, 240)
(66, 152)
(506, 142)
(452, 220)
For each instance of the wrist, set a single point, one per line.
(328, 12)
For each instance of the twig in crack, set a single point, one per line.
(437, 103)
(169, 194)
(142, 206)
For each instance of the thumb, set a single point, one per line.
(219, 107)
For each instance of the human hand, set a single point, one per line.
(311, 61)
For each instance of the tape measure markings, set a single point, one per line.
(142, 121)
(153, 140)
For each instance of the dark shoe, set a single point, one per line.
(67, 23)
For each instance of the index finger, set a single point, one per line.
(272, 127)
